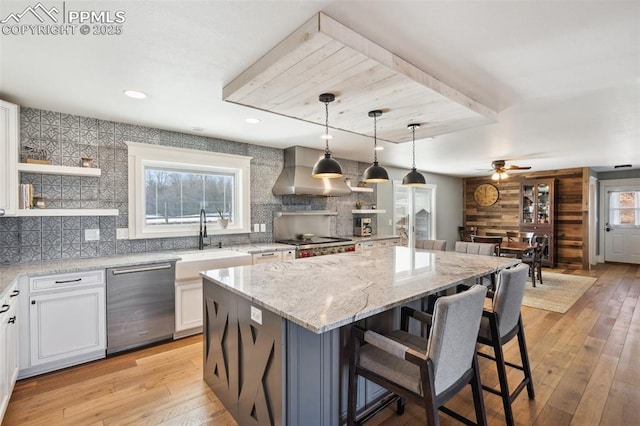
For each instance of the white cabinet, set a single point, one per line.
(8, 347)
(288, 255)
(267, 257)
(188, 309)
(66, 322)
(9, 142)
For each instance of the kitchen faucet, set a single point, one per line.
(203, 230)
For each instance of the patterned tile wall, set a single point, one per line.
(67, 138)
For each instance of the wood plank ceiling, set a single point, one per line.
(325, 56)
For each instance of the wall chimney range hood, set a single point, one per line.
(296, 178)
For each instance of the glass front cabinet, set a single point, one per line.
(537, 199)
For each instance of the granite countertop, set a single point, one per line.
(374, 238)
(261, 248)
(9, 273)
(325, 292)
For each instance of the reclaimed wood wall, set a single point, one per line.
(571, 211)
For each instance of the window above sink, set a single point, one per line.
(168, 187)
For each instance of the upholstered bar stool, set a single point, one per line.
(428, 371)
(432, 244)
(501, 324)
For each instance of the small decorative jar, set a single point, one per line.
(87, 162)
(40, 202)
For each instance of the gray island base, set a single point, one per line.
(275, 335)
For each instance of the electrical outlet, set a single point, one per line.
(256, 315)
(256, 227)
(122, 233)
(92, 234)
(263, 227)
(390, 222)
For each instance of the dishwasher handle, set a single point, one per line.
(142, 269)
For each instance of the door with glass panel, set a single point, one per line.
(413, 212)
(622, 225)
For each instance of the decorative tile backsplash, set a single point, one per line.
(66, 138)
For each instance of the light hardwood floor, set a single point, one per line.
(585, 370)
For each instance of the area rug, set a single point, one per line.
(558, 293)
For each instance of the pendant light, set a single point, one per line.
(326, 167)
(375, 173)
(414, 177)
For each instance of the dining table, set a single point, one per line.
(516, 247)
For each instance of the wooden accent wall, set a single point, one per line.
(571, 210)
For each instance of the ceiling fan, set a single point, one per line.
(500, 168)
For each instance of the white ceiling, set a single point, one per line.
(563, 76)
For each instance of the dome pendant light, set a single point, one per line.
(414, 177)
(326, 167)
(375, 173)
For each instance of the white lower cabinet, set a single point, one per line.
(8, 347)
(267, 257)
(66, 322)
(188, 309)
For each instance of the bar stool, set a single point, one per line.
(502, 324)
(429, 372)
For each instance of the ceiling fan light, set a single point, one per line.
(326, 167)
(414, 178)
(375, 174)
(495, 176)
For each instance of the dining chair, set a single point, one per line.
(495, 240)
(432, 244)
(465, 232)
(513, 236)
(500, 325)
(534, 257)
(429, 371)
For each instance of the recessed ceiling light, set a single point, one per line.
(135, 94)
(197, 129)
(252, 120)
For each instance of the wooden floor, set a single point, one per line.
(586, 369)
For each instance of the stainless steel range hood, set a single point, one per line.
(296, 178)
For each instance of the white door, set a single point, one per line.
(414, 213)
(67, 324)
(622, 225)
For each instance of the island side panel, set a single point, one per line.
(261, 377)
(243, 357)
(220, 331)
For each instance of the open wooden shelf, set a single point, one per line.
(368, 211)
(49, 169)
(360, 189)
(68, 212)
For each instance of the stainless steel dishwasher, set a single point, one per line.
(140, 305)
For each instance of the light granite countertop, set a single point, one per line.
(9, 273)
(374, 238)
(326, 292)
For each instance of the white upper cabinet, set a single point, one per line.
(9, 141)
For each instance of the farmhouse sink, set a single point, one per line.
(190, 264)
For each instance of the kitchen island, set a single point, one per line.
(276, 334)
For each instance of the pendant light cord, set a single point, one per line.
(375, 138)
(326, 127)
(413, 131)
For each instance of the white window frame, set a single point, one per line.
(145, 155)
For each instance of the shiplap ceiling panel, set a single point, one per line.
(325, 56)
